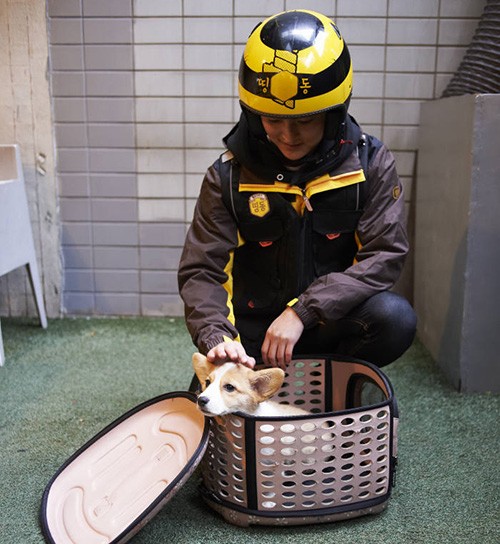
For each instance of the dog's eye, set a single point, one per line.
(229, 387)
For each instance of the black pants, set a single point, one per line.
(379, 331)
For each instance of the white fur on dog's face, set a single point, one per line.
(230, 387)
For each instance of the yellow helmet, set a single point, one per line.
(295, 63)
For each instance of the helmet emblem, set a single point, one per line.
(259, 204)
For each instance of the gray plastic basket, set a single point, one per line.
(337, 462)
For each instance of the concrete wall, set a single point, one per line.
(144, 90)
(25, 119)
(457, 243)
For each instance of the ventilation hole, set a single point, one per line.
(382, 426)
(315, 364)
(309, 450)
(328, 424)
(299, 364)
(329, 459)
(268, 462)
(365, 418)
(347, 498)
(308, 504)
(283, 394)
(223, 492)
(346, 488)
(347, 456)
(365, 484)
(236, 422)
(347, 466)
(266, 440)
(382, 437)
(308, 461)
(379, 490)
(381, 470)
(267, 451)
(309, 493)
(366, 430)
(366, 463)
(382, 414)
(238, 477)
(328, 470)
(299, 383)
(308, 472)
(382, 459)
(327, 502)
(288, 462)
(315, 401)
(315, 373)
(308, 438)
(308, 427)
(327, 448)
(382, 447)
(267, 473)
(237, 434)
(365, 474)
(269, 494)
(289, 473)
(287, 440)
(268, 483)
(289, 483)
(365, 452)
(348, 434)
(347, 421)
(287, 428)
(347, 445)
(347, 477)
(382, 480)
(288, 504)
(288, 451)
(299, 374)
(224, 483)
(327, 437)
(266, 428)
(268, 504)
(288, 494)
(364, 495)
(222, 472)
(309, 483)
(238, 488)
(328, 491)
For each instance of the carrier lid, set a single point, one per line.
(114, 484)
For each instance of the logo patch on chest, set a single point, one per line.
(259, 204)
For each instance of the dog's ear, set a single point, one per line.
(267, 382)
(202, 367)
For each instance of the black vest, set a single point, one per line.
(284, 251)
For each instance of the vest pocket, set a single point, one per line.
(334, 243)
(256, 265)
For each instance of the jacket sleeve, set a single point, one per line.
(205, 275)
(382, 248)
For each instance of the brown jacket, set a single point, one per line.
(214, 241)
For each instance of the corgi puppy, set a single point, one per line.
(230, 387)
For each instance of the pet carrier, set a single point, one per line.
(335, 463)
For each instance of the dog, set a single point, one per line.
(231, 387)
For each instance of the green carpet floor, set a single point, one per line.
(60, 386)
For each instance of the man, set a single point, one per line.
(298, 233)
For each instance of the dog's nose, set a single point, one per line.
(203, 401)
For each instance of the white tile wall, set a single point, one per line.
(182, 94)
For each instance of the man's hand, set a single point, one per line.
(231, 351)
(281, 337)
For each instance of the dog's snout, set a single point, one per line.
(203, 401)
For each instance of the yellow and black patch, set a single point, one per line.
(259, 205)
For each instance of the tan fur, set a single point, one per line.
(252, 388)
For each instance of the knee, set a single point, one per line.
(393, 312)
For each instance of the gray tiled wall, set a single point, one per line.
(144, 90)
